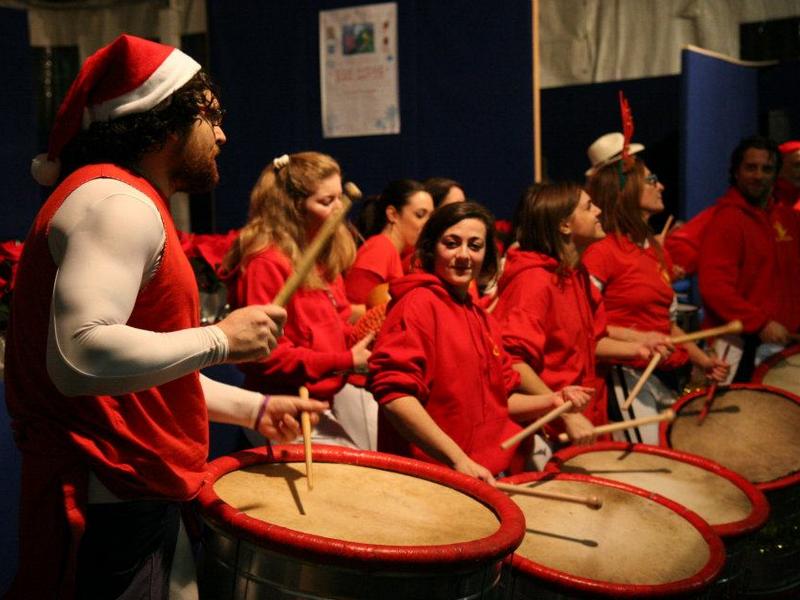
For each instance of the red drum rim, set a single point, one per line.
(562, 579)
(752, 522)
(501, 543)
(665, 427)
(762, 369)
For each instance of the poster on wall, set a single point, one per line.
(358, 71)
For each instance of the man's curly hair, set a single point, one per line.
(125, 140)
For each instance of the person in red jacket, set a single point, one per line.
(633, 271)
(446, 386)
(787, 185)
(551, 316)
(750, 257)
(391, 223)
(289, 203)
(104, 345)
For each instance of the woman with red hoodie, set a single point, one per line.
(552, 317)
(633, 272)
(438, 369)
(291, 200)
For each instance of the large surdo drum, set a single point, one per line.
(750, 429)
(374, 526)
(638, 544)
(724, 499)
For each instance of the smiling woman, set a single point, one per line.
(438, 369)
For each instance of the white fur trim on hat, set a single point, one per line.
(607, 149)
(174, 72)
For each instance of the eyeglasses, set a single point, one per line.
(652, 179)
(213, 115)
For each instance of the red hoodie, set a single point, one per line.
(553, 322)
(313, 350)
(447, 353)
(683, 244)
(750, 264)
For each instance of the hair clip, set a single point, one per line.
(280, 162)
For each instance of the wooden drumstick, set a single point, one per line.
(667, 415)
(665, 229)
(642, 380)
(732, 327)
(530, 429)
(305, 422)
(590, 501)
(309, 258)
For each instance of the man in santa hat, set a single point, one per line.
(104, 346)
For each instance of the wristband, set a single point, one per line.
(261, 411)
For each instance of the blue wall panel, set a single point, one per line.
(719, 106)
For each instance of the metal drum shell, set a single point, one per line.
(759, 502)
(524, 576)
(306, 565)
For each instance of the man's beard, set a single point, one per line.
(194, 173)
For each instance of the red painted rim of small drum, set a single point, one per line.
(762, 369)
(776, 484)
(757, 517)
(501, 543)
(618, 590)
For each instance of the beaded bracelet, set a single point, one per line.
(261, 410)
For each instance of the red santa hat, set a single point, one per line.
(789, 147)
(130, 75)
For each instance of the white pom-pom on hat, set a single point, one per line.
(44, 170)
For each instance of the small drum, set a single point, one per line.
(781, 370)
(638, 544)
(724, 499)
(751, 429)
(374, 526)
(755, 431)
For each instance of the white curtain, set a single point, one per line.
(592, 41)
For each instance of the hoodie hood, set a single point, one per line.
(733, 197)
(400, 287)
(518, 261)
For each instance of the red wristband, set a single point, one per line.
(261, 410)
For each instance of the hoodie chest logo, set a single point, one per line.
(781, 235)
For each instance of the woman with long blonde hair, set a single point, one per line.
(291, 200)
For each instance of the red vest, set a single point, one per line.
(152, 443)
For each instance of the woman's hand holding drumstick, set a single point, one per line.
(571, 398)
(667, 415)
(732, 327)
(305, 421)
(590, 501)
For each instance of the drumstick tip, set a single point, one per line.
(595, 502)
(352, 191)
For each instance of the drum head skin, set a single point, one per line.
(751, 429)
(638, 544)
(365, 506)
(781, 370)
(724, 499)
